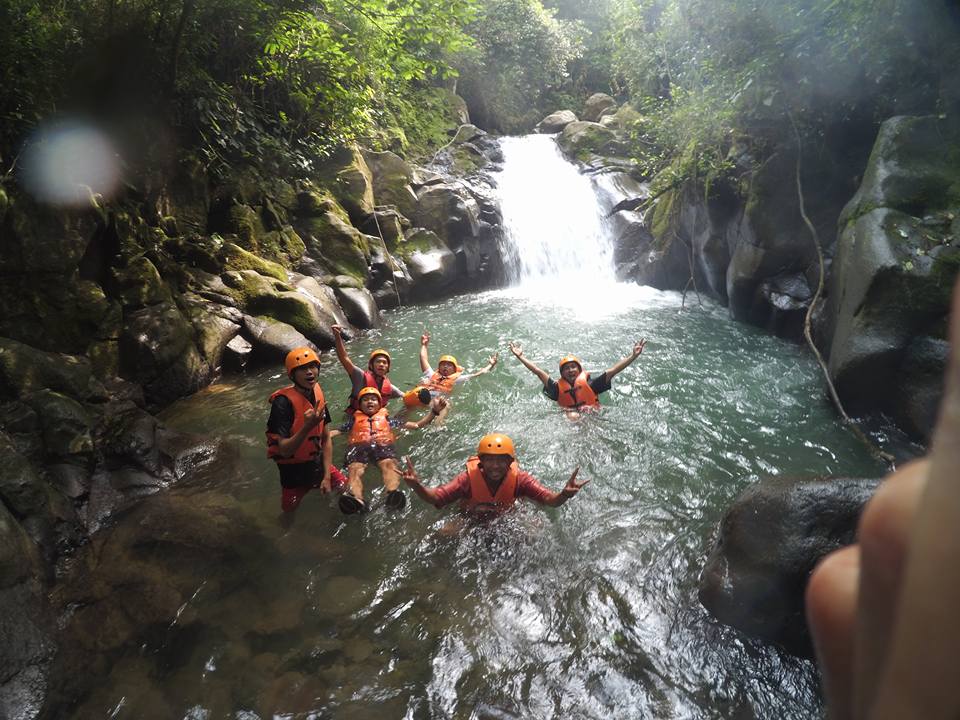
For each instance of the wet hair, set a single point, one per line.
(424, 396)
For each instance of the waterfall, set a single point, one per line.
(555, 236)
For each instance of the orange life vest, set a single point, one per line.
(578, 394)
(371, 428)
(310, 447)
(439, 383)
(371, 379)
(480, 492)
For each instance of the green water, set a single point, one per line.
(585, 611)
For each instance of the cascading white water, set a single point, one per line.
(554, 231)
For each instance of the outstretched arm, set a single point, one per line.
(411, 478)
(436, 406)
(424, 350)
(570, 489)
(634, 354)
(342, 351)
(483, 371)
(327, 444)
(518, 354)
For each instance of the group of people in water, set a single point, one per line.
(882, 612)
(300, 431)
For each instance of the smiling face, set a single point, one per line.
(569, 371)
(305, 376)
(380, 365)
(446, 368)
(369, 404)
(495, 467)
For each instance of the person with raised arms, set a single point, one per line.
(448, 374)
(375, 376)
(492, 482)
(577, 390)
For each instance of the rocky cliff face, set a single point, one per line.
(891, 254)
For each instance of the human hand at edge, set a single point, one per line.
(638, 347)
(883, 613)
(425, 339)
(516, 349)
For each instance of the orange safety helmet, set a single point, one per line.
(298, 357)
(369, 391)
(379, 351)
(571, 359)
(449, 359)
(496, 444)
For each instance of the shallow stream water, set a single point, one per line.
(585, 611)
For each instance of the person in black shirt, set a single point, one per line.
(298, 438)
(577, 390)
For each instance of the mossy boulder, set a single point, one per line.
(25, 370)
(66, 424)
(297, 310)
(236, 258)
(314, 201)
(914, 167)
(392, 177)
(897, 258)
(555, 122)
(598, 105)
(157, 350)
(246, 285)
(332, 244)
(450, 212)
(215, 326)
(582, 139)
(21, 489)
(348, 177)
(283, 244)
(359, 306)
(139, 284)
(272, 339)
(39, 239)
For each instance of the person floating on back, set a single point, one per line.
(577, 390)
(371, 440)
(440, 382)
(492, 482)
(298, 438)
(375, 376)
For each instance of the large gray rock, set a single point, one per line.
(272, 339)
(449, 211)
(347, 175)
(359, 306)
(433, 272)
(897, 258)
(392, 178)
(555, 122)
(768, 542)
(215, 325)
(598, 105)
(66, 424)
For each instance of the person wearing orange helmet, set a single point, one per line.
(375, 376)
(577, 390)
(448, 373)
(371, 440)
(298, 438)
(492, 482)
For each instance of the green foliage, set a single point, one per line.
(522, 53)
(707, 72)
(272, 82)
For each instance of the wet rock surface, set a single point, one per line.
(767, 544)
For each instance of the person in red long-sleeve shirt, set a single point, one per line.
(492, 482)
